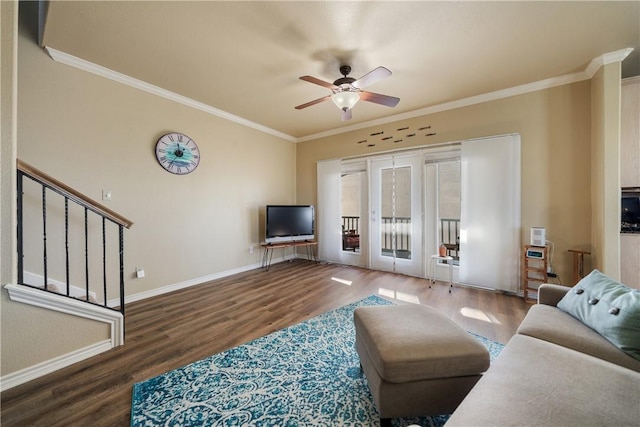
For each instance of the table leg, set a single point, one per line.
(270, 257)
(265, 257)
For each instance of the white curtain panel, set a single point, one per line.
(490, 220)
(328, 217)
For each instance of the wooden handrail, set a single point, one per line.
(72, 194)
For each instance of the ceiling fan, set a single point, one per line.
(347, 91)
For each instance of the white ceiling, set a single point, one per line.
(245, 58)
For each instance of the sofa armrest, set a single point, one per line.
(550, 294)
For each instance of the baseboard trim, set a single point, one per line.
(36, 371)
(193, 282)
(52, 301)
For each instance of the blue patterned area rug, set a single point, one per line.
(304, 375)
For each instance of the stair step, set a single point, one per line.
(54, 288)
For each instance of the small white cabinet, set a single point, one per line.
(630, 260)
(630, 174)
(630, 133)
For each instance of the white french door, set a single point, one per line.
(465, 196)
(396, 214)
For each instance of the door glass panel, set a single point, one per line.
(386, 213)
(449, 208)
(403, 212)
(395, 227)
(351, 209)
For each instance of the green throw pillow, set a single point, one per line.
(609, 307)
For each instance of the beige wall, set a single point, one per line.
(93, 134)
(605, 165)
(554, 125)
(8, 125)
(31, 335)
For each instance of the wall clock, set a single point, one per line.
(177, 153)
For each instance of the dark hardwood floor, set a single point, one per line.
(172, 330)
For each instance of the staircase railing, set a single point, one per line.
(49, 190)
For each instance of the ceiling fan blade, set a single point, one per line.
(389, 101)
(346, 115)
(371, 77)
(314, 102)
(314, 80)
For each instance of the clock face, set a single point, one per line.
(177, 153)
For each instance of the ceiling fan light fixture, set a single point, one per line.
(347, 91)
(345, 100)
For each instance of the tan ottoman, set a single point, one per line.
(417, 361)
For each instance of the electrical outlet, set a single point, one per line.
(106, 195)
(139, 273)
(250, 249)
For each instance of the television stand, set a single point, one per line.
(311, 246)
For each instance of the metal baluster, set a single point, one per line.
(66, 243)
(67, 224)
(457, 238)
(86, 252)
(407, 240)
(408, 225)
(19, 230)
(121, 269)
(44, 234)
(387, 236)
(452, 238)
(104, 259)
(394, 235)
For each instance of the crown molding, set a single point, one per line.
(459, 103)
(81, 64)
(607, 58)
(587, 73)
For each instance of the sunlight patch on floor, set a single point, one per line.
(474, 313)
(400, 296)
(343, 281)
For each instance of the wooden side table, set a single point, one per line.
(578, 264)
(534, 270)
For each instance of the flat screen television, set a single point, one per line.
(289, 223)
(630, 210)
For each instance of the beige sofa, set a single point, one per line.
(555, 371)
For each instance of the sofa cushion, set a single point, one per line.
(536, 383)
(551, 294)
(551, 324)
(609, 307)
